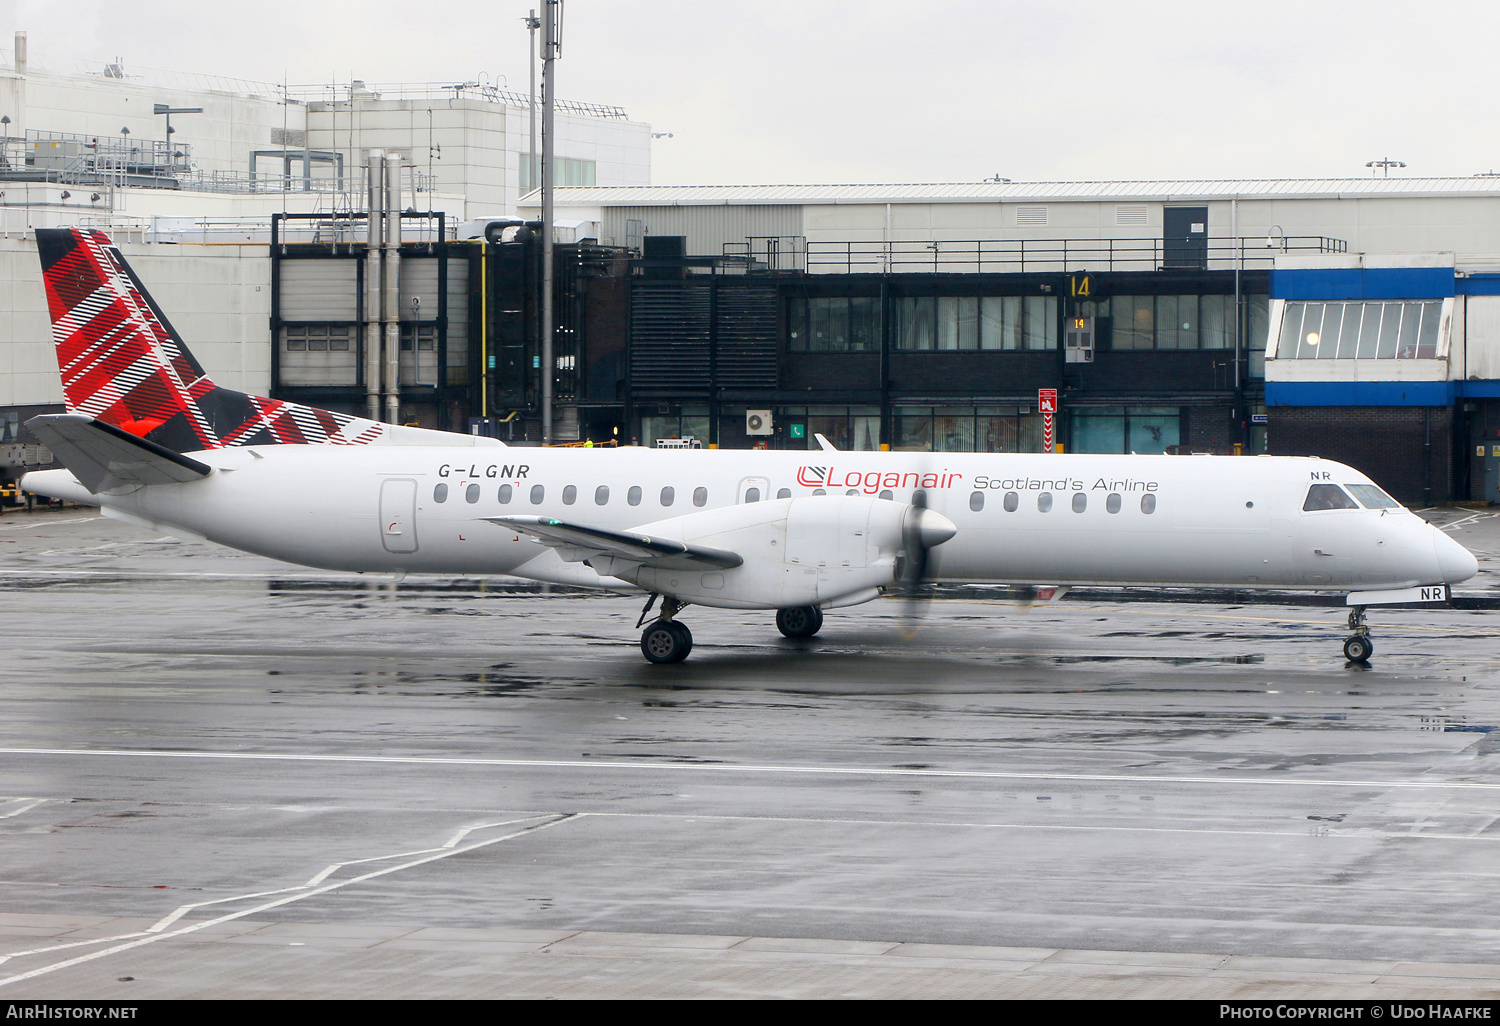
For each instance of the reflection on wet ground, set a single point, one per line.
(1157, 777)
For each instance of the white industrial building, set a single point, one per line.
(81, 144)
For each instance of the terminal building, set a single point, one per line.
(1356, 319)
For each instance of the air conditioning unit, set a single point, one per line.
(757, 422)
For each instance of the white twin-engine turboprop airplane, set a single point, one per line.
(153, 442)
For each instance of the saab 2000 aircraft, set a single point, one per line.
(153, 442)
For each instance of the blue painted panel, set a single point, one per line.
(1479, 389)
(1478, 285)
(1371, 283)
(1408, 282)
(1359, 393)
(1329, 283)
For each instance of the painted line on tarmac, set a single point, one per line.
(307, 890)
(749, 768)
(50, 523)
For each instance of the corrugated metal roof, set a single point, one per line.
(1022, 192)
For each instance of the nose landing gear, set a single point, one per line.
(1357, 647)
(665, 640)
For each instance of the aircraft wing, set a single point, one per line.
(103, 456)
(577, 543)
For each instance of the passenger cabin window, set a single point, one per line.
(1012, 501)
(440, 493)
(471, 494)
(537, 492)
(752, 494)
(601, 495)
(976, 501)
(1327, 496)
(786, 493)
(668, 495)
(851, 491)
(504, 494)
(919, 498)
(886, 493)
(1044, 502)
(1371, 497)
(570, 495)
(700, 496)
(634, 495)
(1112, 503)
(1080, 502)
(1148, 503)
(819, 491)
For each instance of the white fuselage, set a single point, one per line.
(1020, 518)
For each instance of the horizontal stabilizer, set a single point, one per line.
(576, 543)
(104, 457)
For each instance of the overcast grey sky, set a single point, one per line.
(878, 91)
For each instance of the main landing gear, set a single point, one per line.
(1357, 647)
(665, 640)
(800, 621)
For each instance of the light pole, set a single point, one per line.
(551, 50)
(1386, 163)
(168, 111)
(532, 24)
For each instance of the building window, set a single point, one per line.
(849, 428)
(425, 335)
(966, 429)
(316, 338)
(1396, 330)
(1173, 322)
(569, 172)
(833, 324)
(692, 423)
(950, 323)
(1124, 429)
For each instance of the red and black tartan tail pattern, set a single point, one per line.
(122, 363)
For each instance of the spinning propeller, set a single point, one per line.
(921, 530)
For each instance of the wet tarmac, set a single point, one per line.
(220, 775)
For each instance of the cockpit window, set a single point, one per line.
(1328, 496)
(1371, 497)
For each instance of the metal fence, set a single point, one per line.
(796, 253)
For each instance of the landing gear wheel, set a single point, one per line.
(684, 635)
(666, 641)
(1358, 649)
(800, 621)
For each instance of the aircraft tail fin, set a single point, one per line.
(122, 363)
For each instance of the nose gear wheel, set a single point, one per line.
(1358, 647)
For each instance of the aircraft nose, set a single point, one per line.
(1456, 562)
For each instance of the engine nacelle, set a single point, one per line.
(811, 551)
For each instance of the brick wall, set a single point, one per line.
(1206, 427)
(1389, 443)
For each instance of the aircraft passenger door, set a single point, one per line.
(753, 489)
(398, 515)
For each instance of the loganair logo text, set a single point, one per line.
(872, 481)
